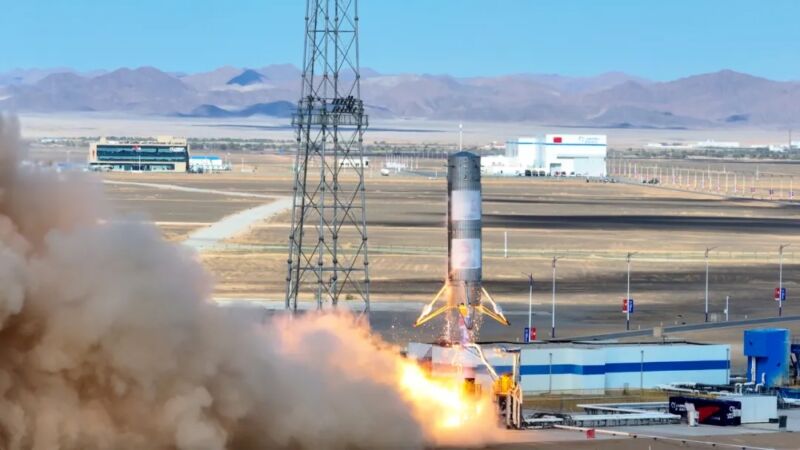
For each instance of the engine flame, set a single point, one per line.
(459, 416)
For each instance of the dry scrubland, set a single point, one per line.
(591, 225)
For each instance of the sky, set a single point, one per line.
(655, 39)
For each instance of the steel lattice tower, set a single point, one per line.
(328, 239)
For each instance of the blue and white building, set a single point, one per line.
(166, 154)
(591, 368)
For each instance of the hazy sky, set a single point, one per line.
(658, 39)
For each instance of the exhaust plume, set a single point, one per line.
(108, 340)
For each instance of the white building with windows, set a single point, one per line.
(207, 164)
(559, 155)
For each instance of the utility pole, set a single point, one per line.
(628, 292)
(530, 302)
(727, 299)
(708, 249)
(553, 312)
(780, 278)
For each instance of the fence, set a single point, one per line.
(751, 184)
(547, 254)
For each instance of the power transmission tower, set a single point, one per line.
(328, 241)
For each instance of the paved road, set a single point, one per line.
(175, 187)
(688, 327)
(228, 226)
(234, 224)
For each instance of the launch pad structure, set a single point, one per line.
(328, 256)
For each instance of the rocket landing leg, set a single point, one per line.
(496, 312)
(468, 313)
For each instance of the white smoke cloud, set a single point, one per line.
(108, 340)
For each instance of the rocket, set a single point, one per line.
(463, 291)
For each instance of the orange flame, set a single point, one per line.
(452, 413)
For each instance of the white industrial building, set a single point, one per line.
(710, 143)
(559, 155)
(592, 368)
(207, 163)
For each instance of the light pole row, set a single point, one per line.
(779, 294)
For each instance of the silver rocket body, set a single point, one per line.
(464, 248)
(463, 290)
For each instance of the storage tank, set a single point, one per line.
(767, 351)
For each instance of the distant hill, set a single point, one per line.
(720, 99)
(143, 90)
(205, 81)
(209, 111)
(247, 78)
(274, 109)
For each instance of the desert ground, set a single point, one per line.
(590, 226)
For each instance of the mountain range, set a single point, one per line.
(720, 99)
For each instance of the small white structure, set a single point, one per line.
(710, 143)
(560, 154)
(353, 162)
(206, 163)
(501, 165)
(756, 408)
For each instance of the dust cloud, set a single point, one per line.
(108, 340)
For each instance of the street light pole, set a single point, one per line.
(780, 278)
(530, 302)
(708, 249)
(727, 300)
(628, 293)
(553, 312)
